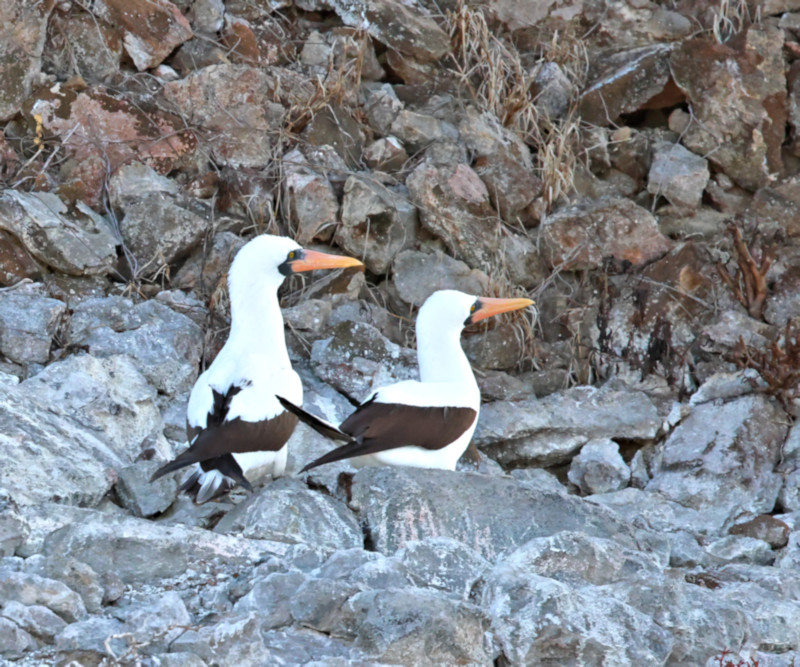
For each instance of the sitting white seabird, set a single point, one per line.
(426, 423)
(237, 429)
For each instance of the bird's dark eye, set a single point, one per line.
(292, 254)
(473, 308)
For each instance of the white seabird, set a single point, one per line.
(426, 423)
(237, 429)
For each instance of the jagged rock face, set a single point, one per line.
(632, 491)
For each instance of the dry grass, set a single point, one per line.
(492, 71)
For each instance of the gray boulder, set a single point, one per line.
(287, 511)
(401, 505)
(137, 550)
(549, 430)
(160, 228)
(31, 589)
(114, 325)
(28, 323)
(443, 564)
(721, 459)
(599, 468)
(108, 396)
(357, 359)
(420, 628)
(417, 275)
(538, 620)
(73, 464)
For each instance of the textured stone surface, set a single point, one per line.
(399, 505)
(152, 29)
(28, 323)
(74, 244)
(678, 174)
(286, 511)
(114, 326)
(599, 468)
(377, 222)
(726, 453)
(137, 550)
(549, 430)
(744, 141)
(584, 235)
(417, 275)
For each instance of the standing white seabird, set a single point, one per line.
(237, 429)
(426, 423)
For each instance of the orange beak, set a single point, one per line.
(312, 260)
(490, 307)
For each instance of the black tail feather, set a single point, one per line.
(321, 426)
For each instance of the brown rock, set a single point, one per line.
(377, 222)
(625, 82)
(77, 243)
(385, 154)
(764, 527)
(584, 235)
(454, 205)
(234, 103)
(656, 315)
(16, 262)
(206, 267)
(777, 208)
(95, 47)
(745, 78)
(400, 26)
(22, 35)
(309, 198)
(247, 193)
(152, 29)
(101, 132)
(511, 186)
(418, 130)
(335, 126)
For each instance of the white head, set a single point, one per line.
(449, 311)
(261, 265)
(439, 323)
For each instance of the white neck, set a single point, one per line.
(257, 323)
(441, 358)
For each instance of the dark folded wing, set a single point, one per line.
(317, 423)
(375, 427)
(234, 437)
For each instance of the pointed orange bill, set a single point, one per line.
(488, 307)
(311, 260)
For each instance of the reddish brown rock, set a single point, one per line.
(738, 95)
(101, 132)
(239, 107)
(586, 235)
(625, 82)
(309, 199)
(16, 262)
(152, 29)
(23, 26)
(454, 205)
(95, 47)
(405, 28)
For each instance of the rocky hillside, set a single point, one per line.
(634, 498)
